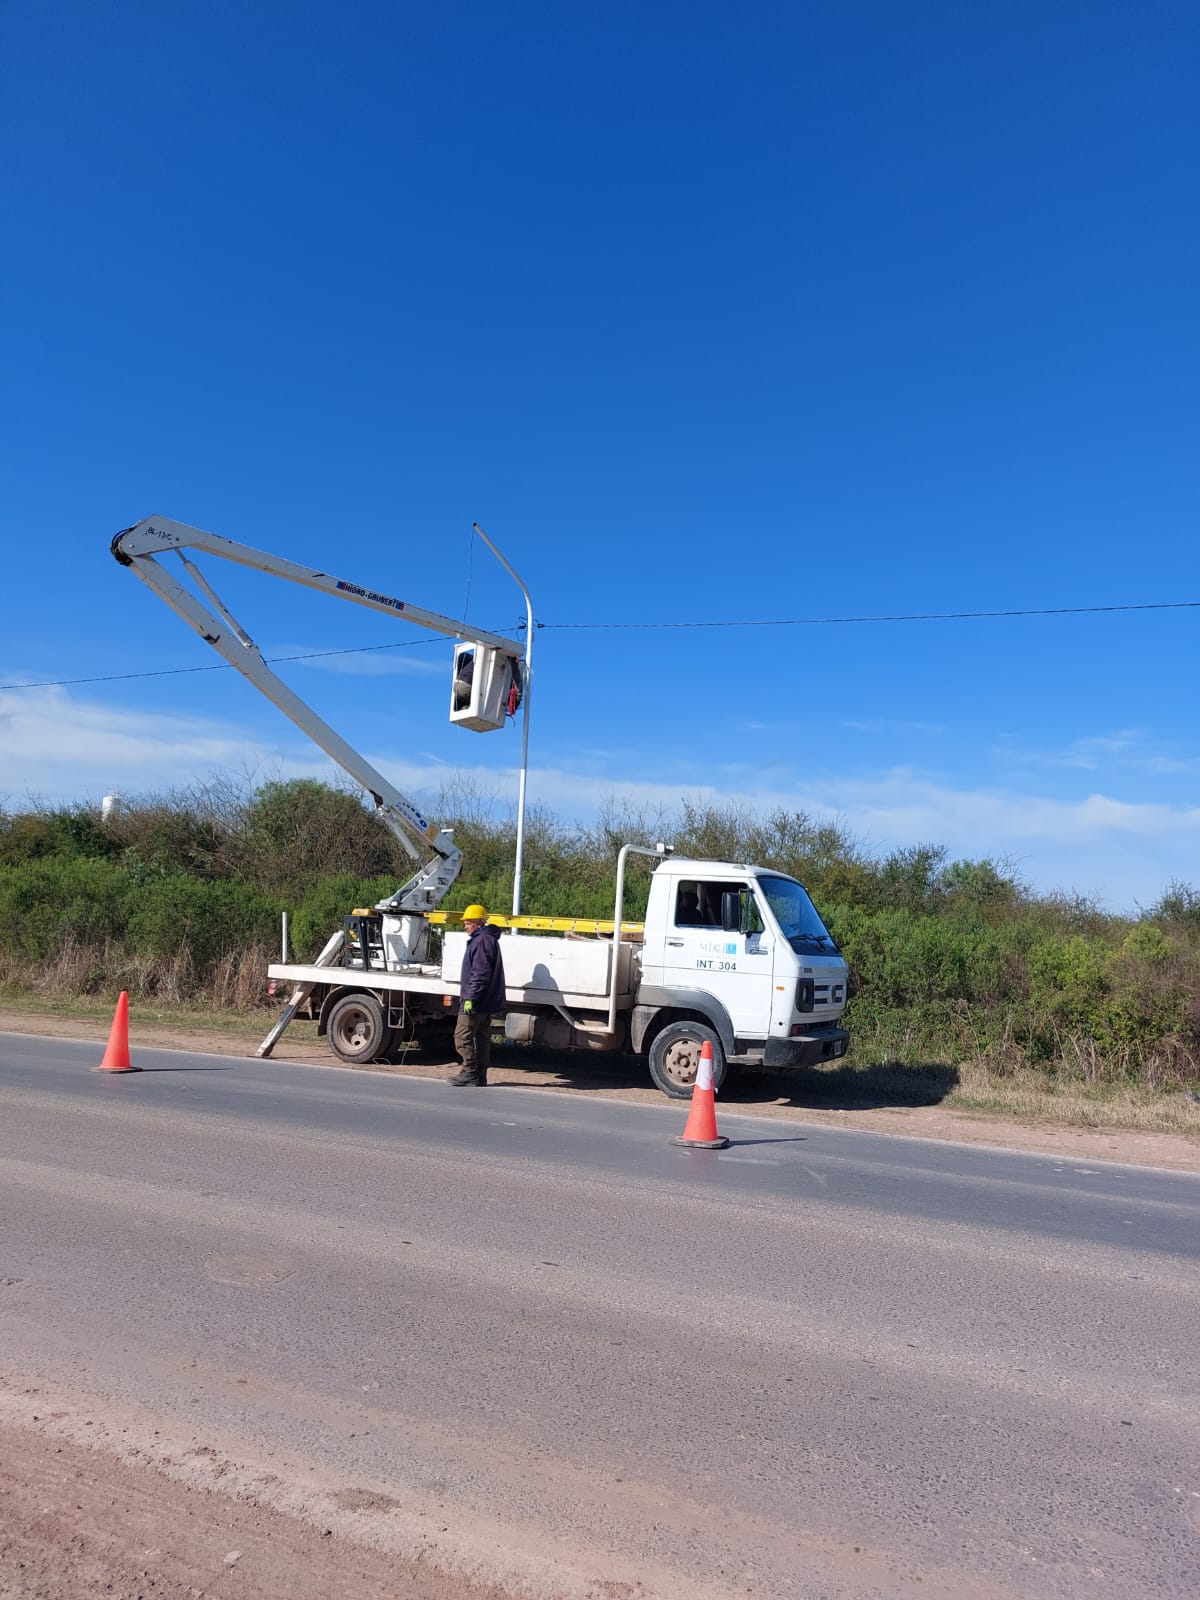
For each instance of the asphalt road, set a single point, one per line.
(534, 1334)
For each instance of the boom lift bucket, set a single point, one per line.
(485, 689)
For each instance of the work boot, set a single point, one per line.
(464, 1078)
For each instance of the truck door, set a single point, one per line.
(734, 966)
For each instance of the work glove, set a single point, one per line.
(468, 1006)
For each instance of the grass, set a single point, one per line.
(185, 1018)
(1025, 1095)
(1076, 1105)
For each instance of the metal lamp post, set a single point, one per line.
(528, 687)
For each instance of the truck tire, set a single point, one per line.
(356, 1029)
(675, 1056)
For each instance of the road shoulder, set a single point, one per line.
(79, 1520)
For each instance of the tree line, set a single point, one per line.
(177, 897)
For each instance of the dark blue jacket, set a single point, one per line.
(483, 970)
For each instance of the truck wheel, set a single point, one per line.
(356, 1029)
(675, 1056)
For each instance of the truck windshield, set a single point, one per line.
(796, 915)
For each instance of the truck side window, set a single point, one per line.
(710, 904)
(687, 906)
(698, 904)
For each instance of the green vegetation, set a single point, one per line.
(960, 974)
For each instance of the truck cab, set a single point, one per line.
(743, 950)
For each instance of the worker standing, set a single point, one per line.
(481, 987)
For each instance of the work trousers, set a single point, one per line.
(473, 1042)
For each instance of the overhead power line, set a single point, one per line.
(760, 622)
(911, 616)
(218, 666)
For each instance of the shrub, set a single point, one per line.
(50, 899)
(295, 833)
(322, 908)
(1069, 980)
(207, 919)
(180, 894)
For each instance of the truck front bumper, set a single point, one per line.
(808, 1049)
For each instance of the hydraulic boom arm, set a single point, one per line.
(139, 548)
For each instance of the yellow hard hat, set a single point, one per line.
(474, 914)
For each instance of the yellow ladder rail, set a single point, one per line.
(452, 919)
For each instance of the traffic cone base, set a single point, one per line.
(701, 1131)
(116, 1055)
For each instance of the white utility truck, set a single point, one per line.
(729, 954)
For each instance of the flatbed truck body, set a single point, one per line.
(729, 953)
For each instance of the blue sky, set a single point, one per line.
(707, 313)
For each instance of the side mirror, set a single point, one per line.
(731, 911)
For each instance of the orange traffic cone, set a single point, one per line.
(701, 1131)
(116, 1057)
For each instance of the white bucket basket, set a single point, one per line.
(481, 686)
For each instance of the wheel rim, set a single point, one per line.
(681, 1061)
(354, 1028)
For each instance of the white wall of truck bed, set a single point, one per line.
(544, 966)
(428, 980)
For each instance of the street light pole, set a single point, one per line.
(526, 692)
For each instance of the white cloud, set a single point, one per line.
(1120, 852)
(60, 748)
(927, 730)
(1128, 749)
(903, 802)
(63, 748)
(367, 663)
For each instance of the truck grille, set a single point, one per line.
(811, 995)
